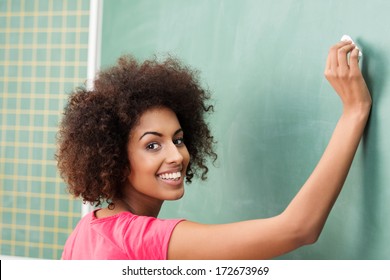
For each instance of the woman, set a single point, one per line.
(133, 139)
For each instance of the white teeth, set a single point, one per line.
(170, 176)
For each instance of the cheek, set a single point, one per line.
(143, 169)
(142, 179)
(186, 157)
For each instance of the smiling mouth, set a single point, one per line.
(175, 176)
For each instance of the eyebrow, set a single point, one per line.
(158, 133)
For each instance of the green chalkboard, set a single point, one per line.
(275, 112)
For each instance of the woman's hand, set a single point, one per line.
(346, 78)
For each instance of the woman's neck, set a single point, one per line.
(138, 207)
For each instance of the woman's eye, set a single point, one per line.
(179, 141)
(152, 146)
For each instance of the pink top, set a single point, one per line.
(123, 236)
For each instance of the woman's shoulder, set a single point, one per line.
(105, 215)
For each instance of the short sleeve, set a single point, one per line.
(147, 238)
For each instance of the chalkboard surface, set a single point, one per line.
(263, 62)
(43, 56)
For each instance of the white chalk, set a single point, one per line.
(348, 38)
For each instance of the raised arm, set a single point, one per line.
(302, 221)
(324, 184)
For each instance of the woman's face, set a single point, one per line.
(158, 156)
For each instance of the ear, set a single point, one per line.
(126, 172)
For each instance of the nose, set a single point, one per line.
(173, 154)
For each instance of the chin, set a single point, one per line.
(178, 195)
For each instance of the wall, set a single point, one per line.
(43, 55)
(263, 61)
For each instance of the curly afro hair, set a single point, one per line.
(93, 135)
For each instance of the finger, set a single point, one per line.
(327, 65)
(333, 54)
(354, 60)
(342, 55)
(343, 43)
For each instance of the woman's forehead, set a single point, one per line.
(159, 119)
